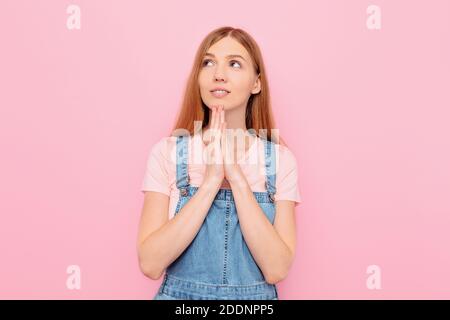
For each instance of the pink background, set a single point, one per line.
(366, 112)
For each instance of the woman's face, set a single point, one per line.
(228, 65)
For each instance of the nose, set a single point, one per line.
(217, 78)
(219, 74)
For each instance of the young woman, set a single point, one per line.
(220, 226)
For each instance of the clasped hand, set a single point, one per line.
(221, 160)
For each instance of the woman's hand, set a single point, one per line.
(212, 138)
(232, 169)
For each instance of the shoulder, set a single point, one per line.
(162, 147)
(286, 157)
(286, 152)
(166, 148)
(168, 142)
(283, 152)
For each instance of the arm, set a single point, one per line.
(160, 240)
(272, 246)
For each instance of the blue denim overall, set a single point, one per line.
(217, 264)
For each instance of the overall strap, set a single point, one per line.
(270, 163)
(182, 164)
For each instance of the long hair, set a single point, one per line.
(258, 115)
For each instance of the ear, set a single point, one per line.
(257, 86)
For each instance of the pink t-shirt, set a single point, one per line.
(160, 173)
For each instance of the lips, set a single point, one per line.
(220, 89)
(219, 93)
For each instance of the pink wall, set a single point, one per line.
(366, 111)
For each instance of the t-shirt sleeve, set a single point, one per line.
(156, 176)
(286, 178)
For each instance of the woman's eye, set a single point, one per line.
(205, 62)
(234, 61)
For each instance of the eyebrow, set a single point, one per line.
(228, 56)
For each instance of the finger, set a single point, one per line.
(222, 115)
(213, 117)
(223, 140)
(222, 131)
(217, 119)
(222, 121)
(212, 124)
(217, 122)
